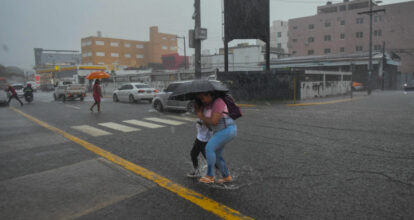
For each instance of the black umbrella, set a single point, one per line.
(189, 90)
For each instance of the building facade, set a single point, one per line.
(339, 29)
(128, 53)
(46, 57)
(278, 36)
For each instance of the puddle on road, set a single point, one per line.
(235, 173)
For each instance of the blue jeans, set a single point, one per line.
(215, 147)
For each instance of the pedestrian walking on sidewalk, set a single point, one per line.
(224, 130)
(13, 94)
(97, 95)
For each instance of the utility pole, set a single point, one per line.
(197, 42)
(185, 53)
(370, 12)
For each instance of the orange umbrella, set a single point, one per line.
(98, 75)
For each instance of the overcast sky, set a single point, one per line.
(60, 24)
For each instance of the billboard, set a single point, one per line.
(246, 19)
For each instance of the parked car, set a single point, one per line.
(134, 92)
(3, 94)
(69, 92)
(161, 101)
(409, 86)
(19, 89)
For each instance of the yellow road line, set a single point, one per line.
(324, 103)
(191, 195)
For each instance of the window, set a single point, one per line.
(311, 26)
(327, 50)
(84, 54)
(100, 54)
(377, 33)
(114, 55)
(127, 55)
(279, 34)
(279, 45)
(311, 52)
(377, 47)
(342, 8)
(293, 52)
(139, 56)
(342, 49)
(311, 39)
(165, 47)
(127, 45)
(295, 27)
(358, 48)
(89, 54)
(378, 18)
(139, 46)
(164, 38)
(295, 40)
(327, 24)
(342, 22)
(173, 48)
(99, 42)
(359, 34)
(114, 44)
(360, 20)
(173, 39)
(327, 37)
(342, 36)
(101, 63)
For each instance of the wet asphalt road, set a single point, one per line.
(351, 160)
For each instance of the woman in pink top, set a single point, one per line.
(97, 94)
(224, 130)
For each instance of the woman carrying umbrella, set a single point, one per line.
(97, 94)
(223, 127)
(224, 130)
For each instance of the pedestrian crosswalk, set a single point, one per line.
(132, 125)
(95, 132)
(119, 127)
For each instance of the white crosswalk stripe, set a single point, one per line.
(165, 121)
(119, 127)
(95, 132)
(143, 124)
(183, 118)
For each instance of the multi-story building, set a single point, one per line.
(128, 53)
(278, 35)
(339, 29)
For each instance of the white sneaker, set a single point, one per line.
(194, 174)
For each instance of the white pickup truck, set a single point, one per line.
(69, 92)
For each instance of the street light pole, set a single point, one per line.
(370, 49)
(370, 12)
(185, 53)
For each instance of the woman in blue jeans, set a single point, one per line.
(224, 130)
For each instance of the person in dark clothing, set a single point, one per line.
(13, 94)
(28, 90)
(97, 95)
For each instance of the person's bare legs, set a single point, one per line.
(99, 106)
(91, 108)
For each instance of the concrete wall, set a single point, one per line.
(317, 89)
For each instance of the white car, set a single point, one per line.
(163, 102)
(19, 89)
(133, 92)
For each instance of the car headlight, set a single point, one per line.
(405, 84)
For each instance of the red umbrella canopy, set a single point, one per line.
(98, 75)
